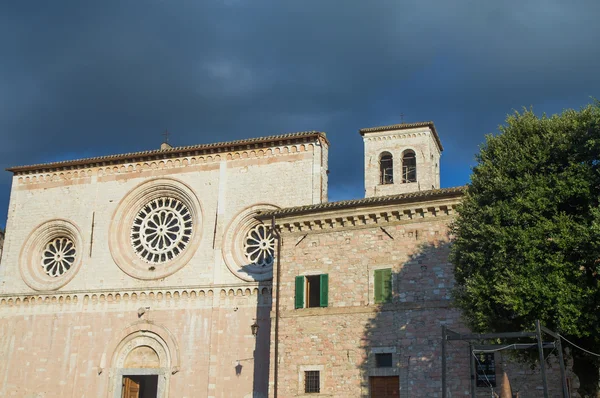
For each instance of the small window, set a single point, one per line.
(312, 291)
(383, 285)
(409, 167)
(383, 360)
(312, 381)
(386, 168)
(486, 369)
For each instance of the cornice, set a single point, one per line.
(202, 150)
(404, 126)
(76, 174)
(253, 293)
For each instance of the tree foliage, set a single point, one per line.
(527, 238)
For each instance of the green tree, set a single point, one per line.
(527, 237)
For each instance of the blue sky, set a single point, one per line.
(83, 78)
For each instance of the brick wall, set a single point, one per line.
(344, 337)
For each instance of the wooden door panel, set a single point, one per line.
(131, 388)
(384, 387)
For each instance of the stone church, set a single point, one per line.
(222, 270)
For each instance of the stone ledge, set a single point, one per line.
(328, 311)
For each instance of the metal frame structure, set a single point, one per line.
(449, 335)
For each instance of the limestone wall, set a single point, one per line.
(71, 335)
(421, 141)
(224, 185)
(66, 345)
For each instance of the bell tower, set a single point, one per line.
(401, 158)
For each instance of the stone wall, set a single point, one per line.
(421, 141)
(70, 335)
(342, 339)
(65, 345)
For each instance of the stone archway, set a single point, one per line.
(144, 354)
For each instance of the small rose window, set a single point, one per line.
(58, 256)
(259, 246)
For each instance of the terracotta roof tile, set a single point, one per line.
(377, 200)
(171, 151)
(404, 126)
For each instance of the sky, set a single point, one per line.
(91, 78)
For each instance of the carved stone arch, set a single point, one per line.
(147, 341)
(234, 250)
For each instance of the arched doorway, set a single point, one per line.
(142, 363)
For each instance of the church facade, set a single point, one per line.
(222, 270)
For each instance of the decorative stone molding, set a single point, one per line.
(248, 245)
(360, 218)
(52, 255)
(390, 137)
(124, 234)
(150, 336)
(162, 297)
(152, 163)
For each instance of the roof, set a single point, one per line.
(404, 126)
(175, 151)
(373, 201)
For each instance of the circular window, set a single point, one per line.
(161, 230)
(249, 245)
(259, 246)
(58, 256)
(155, 229)
(51, 255)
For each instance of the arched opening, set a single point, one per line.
(386, 168)
(409, 166)
(142, 362)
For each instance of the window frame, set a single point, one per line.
(302, 293)
(383, 170)
(405, 173)
(379, 285)
(318, 380)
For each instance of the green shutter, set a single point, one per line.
(378, 286)
(386, 285)
(299, 292)
(324, 294)
(383, 285)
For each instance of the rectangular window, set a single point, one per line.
(486, 369)
(312, 381)
(383, 360)
(312, 291)
(383, 285)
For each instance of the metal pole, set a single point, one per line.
(444, 337)
(278, 282)
(542, 361)
(473, 372)
(563, 373)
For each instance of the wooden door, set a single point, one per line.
(131, 388)
(385, 387)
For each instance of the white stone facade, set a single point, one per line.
(159, 261)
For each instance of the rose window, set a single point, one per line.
(58, 256)
(161, 230)
(259, 246)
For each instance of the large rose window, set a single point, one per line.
(156, 229)
(161, 230)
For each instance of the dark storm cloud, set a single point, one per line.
(91, 78)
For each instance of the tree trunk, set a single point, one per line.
(587, 370)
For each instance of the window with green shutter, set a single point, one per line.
(383, 285)
(324, 290)
(299, 301)
(312, 291)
